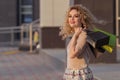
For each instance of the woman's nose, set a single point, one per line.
(72, 17)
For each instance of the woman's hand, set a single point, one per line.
(77, 32)
(77, 42)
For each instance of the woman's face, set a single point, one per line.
(74, 18)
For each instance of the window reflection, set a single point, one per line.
(119, 7)
(26, 18)
(26, 2)
(26, 14)
(119, 31)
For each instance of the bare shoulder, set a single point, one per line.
(83, 34)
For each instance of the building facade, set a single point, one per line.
(51, 14)
(107, 13)
(17, 12)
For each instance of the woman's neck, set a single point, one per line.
(75, 28)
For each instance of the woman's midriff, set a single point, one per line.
(76, 63)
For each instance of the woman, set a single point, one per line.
(78, 20)
(36, 41)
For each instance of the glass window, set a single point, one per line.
(119, 31)
(26, 8)
(26, 18)
(26, 2)
(26, 11)
(119, 8)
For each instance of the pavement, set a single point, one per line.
(49, 64)
(101, 71)
(19, 65)
(106, 71)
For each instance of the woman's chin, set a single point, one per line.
(73, 26)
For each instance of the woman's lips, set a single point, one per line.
(72, 22)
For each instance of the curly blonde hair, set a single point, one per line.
(86, 19)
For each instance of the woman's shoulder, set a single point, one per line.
(82, 36)
(83, 33)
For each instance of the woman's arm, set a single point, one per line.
(77, 43)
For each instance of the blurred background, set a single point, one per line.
(20, 18)
(48, 16)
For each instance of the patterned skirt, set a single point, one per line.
(82, 74)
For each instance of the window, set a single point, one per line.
(119, 7)
(119, 32)
(25, 11)
(118, 21)
(26, 2)
(26, 18)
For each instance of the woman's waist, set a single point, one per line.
(76, 65)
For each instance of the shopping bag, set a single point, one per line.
(97, 39)
(112, 40)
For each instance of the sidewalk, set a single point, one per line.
(49, 64)
(106, 71)
(101, 71)
(26, 66)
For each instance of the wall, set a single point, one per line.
(52, 14)
(7, 16)
(36, 9)
(8, 13)
(103, 10)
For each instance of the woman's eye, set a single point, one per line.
(76, 16)
(69, 16)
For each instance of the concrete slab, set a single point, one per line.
(101, 71)
(25, 66)
(57, 53)
(106, 71)
(50, 62)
